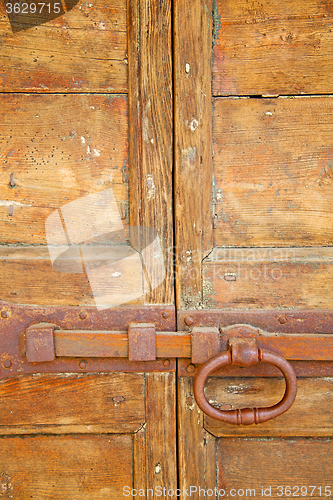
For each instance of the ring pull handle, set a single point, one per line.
(245, 352)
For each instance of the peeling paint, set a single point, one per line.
(151, 189)
(8, 203)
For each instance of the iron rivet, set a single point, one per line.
(83, 365)
(7, 363)
(282, 320)
(188, 320)
(4, 314)
(166, 362)
(190, 368)
(83, 315)
(165, 314)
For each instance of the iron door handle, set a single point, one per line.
(245, 353)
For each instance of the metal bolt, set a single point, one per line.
(189, 320)
(165, 314)
(83, 365)
(282, 320)
(5, 314)
(82, 315)
(7, 363)
(166, 362)
(190, 368)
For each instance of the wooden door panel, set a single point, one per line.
(73, 466)
(56, 150)
(310, 415)
(85, 403)
(74, 126)
(87, 435)
(82, 50)
(273, 171)
(276, 453)
(277, 468)
(272, 48)
(257, 244)
(268, 278)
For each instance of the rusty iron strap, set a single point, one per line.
(105, 344)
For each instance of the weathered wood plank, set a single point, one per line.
(196, 447)
(261, 464)
(58, 148)
(270, 47)
(193, 146)
(302, 420)
(81, 403)
(151, 132)
(58, 467)
(273, 169)
(269, 278)
(55, 149)
(83, 50)
(161, 450)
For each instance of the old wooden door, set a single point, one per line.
(200, 133)
(253, 226)
(83, 426)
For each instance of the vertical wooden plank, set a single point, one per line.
(161, 431)
(155, 455)
(193, 145)
(196, 446)
(151, 129)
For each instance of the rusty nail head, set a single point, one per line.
(83, 364)
(165, 314)
(5, 314)
(118, 399)
(188, 320)
(82, 315)
(7, 363)
(282, 320)
(166, 362)
(190, 368)
(230, 277)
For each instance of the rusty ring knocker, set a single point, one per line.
(245, 357)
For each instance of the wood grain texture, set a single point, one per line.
(264, 47)
(193, 146)
(151, 130)
(58, 467)
(310, 414)
(273, 169)
(83, 50)
(59, 148)
(161, 450)
(77, 403)
(196, 446)
(269, 278)
(257, 463)
(155, 456)
(55, 149)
